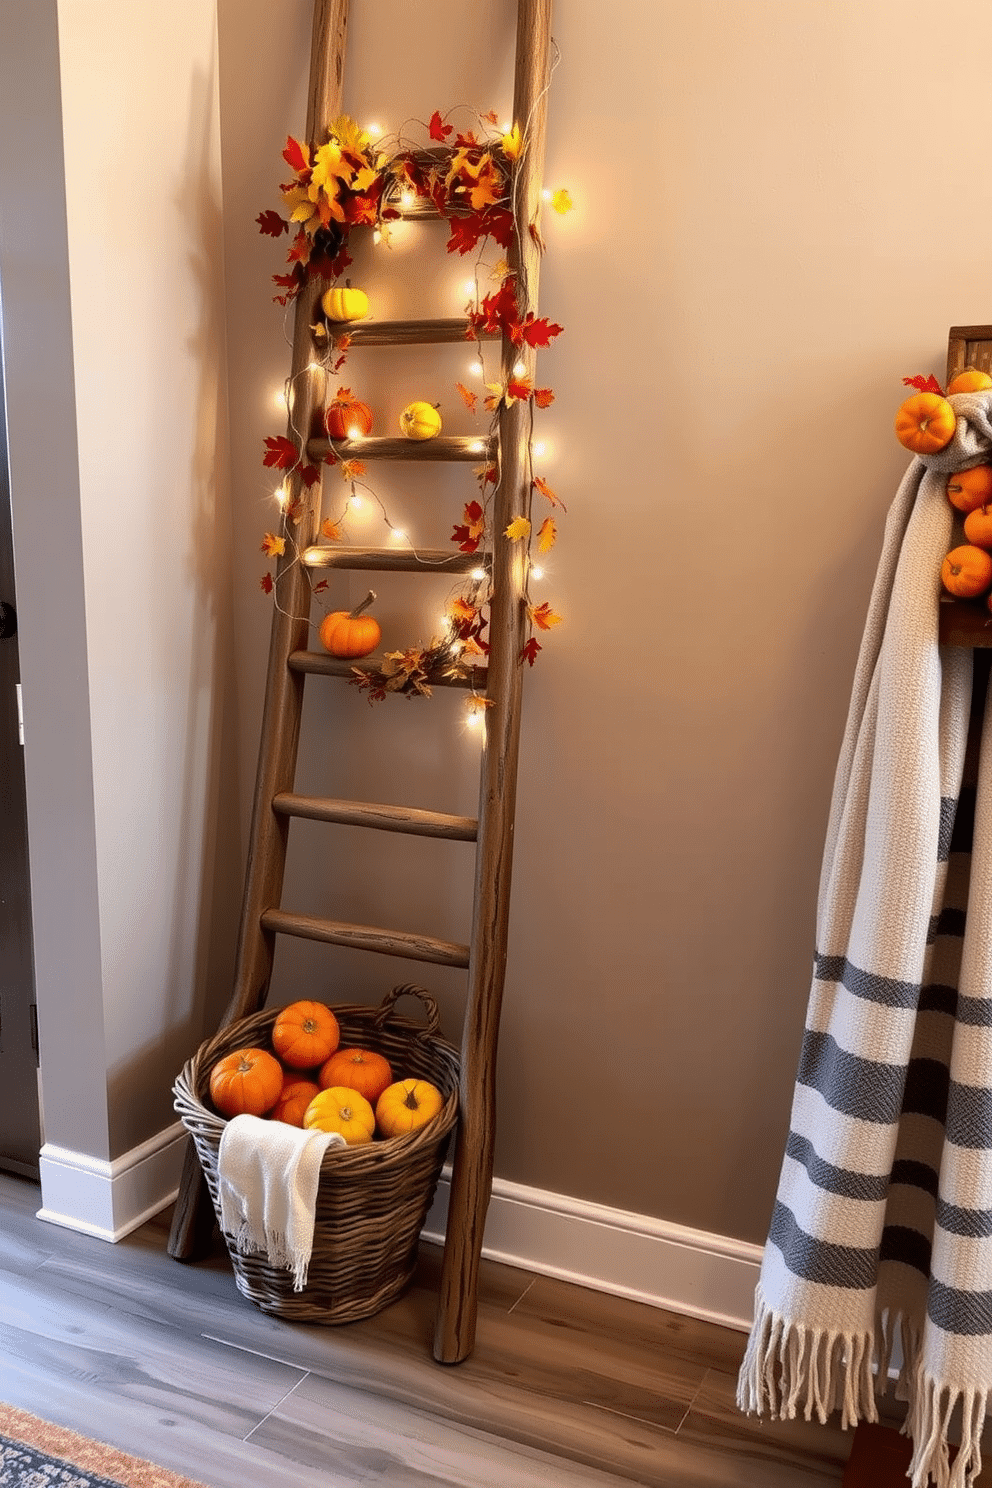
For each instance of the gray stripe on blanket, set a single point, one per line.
(974, 1224)
(866, 1187)
(821, 1260)
(948, 812)
(885, 990)
(969, 1115)
(858, 1087)
(968, 1313)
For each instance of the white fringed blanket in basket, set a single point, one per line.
(883, 1221)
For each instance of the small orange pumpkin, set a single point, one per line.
(967, 489)
(359, 1069)
(350, 632)
(347, 417)
(970, 381)
(925, 423)
(305, 1034)
(978, 526)
(296, 1095)
(246, 1083)
(966, 571)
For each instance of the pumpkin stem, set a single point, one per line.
(369, 599)
(410, 1100)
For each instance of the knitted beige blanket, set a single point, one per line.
(882, 1225)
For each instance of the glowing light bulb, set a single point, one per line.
(398, 534)
(546, 193)
(355, 434)
(540, 448)
(355, 503)
(537, 573)
(473, 718)
(374, 130)
(407, 199)
(313, 367)
(281, 494)
(478, 574)
(470, 287)
(505, 128)
(476, 369)
(376, 236)
(280, 399)
(476, 447)
(519, 369)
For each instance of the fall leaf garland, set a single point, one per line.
(349, 182)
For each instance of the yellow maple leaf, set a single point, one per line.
(512, 143)
(561, 201)
(518, 528)
(501, 270)
(350, 134)
(546, 535)
(273, 546)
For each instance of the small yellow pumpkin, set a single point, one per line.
(350, 632)
(339, 1109)
(970, 381)
(407, 1105)
(420, 421)
(344, 303)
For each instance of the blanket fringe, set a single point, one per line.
(928, 1424)
(789, 1368)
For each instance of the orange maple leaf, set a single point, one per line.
(461, 608)
(273, 546)
(470, 399)
(333, 531)
(543, 397)
(540, 484)
(543, 616)
(547, 535)
(352, 469)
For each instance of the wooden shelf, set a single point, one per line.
(322, 663)
(395, 560)
(443, 447)
(408, 332)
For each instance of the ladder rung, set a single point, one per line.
(367, 938)
(413, 332)
(384, 818)
(323, 664)
(395, 560)
(443, 447)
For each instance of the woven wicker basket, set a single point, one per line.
(371, 1201)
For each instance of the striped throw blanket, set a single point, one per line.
(882, 1226)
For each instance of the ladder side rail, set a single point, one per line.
(193, 1219)
(471, 1182)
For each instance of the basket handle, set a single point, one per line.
(433, 1024)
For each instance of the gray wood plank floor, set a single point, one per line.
(567, 1387)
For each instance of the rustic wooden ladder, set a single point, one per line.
(290, 663)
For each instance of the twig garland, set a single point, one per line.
(468, 177)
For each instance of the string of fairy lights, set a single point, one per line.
(464, 619)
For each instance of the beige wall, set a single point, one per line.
(780, 212)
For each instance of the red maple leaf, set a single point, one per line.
(466, 232)
(272, 224)
(299, 250)
(294, 154)
(529, 653)
(265, 583)
(319, 588)
(540, 484)
(924, 384)
(280, 452)
(438, 129)
(519, 388)
(309, 475)
(466, 542)
(539, 332)
(543, 397)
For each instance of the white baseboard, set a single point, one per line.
(110, 1199)
(612, 1250)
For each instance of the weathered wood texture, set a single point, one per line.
(967, 622)
(442, 447)
(394, 560)
(474, 1148)
(322, 663)
(366, 938)
(384, 818)
(413, 332)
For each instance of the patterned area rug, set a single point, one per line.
(35, 1454)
